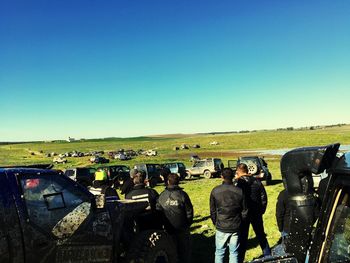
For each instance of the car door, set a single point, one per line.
(11, 245)
(62, 223)
(198, 168)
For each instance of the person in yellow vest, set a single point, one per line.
(100, 177)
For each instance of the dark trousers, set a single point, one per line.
(258, 226)
(182, 239)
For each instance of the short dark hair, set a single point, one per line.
(165, 171)
(173, 179)
(243, 168)
(227, 174)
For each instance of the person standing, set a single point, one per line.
(283, 214)
(128, 183)
(178, 212)
(256, 199)
(147, 219)
(227, 208)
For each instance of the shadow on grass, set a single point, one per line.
(198, 219)
(276, 181)
(203, 248)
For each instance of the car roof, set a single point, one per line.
(26, 170)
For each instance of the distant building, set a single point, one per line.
(70, 139)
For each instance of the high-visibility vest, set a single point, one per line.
(100, 175)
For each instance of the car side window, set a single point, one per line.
(53, 201)
(338, 241)
(199, 164)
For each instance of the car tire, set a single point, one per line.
(188, 176)
(152, 246)
(207, 174)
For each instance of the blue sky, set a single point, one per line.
(127, 68)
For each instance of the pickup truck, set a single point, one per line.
(47, 217)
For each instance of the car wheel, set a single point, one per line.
(188, 176)
(152, 246)
(252, 167)
(207, 174)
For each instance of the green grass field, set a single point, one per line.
(198, 189)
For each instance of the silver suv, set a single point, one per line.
(209, 168)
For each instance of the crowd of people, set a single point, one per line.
(237, 203)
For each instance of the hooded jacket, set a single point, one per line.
(227, 207)
(177, 208)
(255, 194)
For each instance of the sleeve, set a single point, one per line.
(244, 207)
(154, 199)
(280, 211)
(159, 206)
(263, 197)
(212, 204)
(188, 208)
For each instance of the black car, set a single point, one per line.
(49, 218)
(117, 171)
(257, 166)
(152, 172)
(99, 159)
(83, 175)
(177, 168)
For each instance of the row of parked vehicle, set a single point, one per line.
(209, 168)
(96, 156)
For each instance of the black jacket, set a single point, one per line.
(227, 207)
(283, 211)
(177, 208)
(141, 192)
(127, 186)
(255, 194)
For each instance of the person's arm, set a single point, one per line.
(280, 212)
(263, 197)
(244, 207)
(188, 208)
(212, 204)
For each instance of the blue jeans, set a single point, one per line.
(222, 240)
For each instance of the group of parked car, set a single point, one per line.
(96, 157)
(208, 168)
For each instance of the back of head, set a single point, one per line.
(165, 172)
(140, 177)
(227, 174)
(133, 172)
(173, 179)
(242, 168)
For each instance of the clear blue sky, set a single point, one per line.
(127, 68)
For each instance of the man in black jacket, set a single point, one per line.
(256, 199)
(227, 208)
(283, 213)
(149, 218)
(178, 210)
(128, 184)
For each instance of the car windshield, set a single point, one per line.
(248, 159)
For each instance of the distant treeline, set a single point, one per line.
(7, 143)
(279, 129)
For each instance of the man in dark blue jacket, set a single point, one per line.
(227, 208)
(256, 199)
(178, 211)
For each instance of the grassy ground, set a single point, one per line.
(198, 189)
